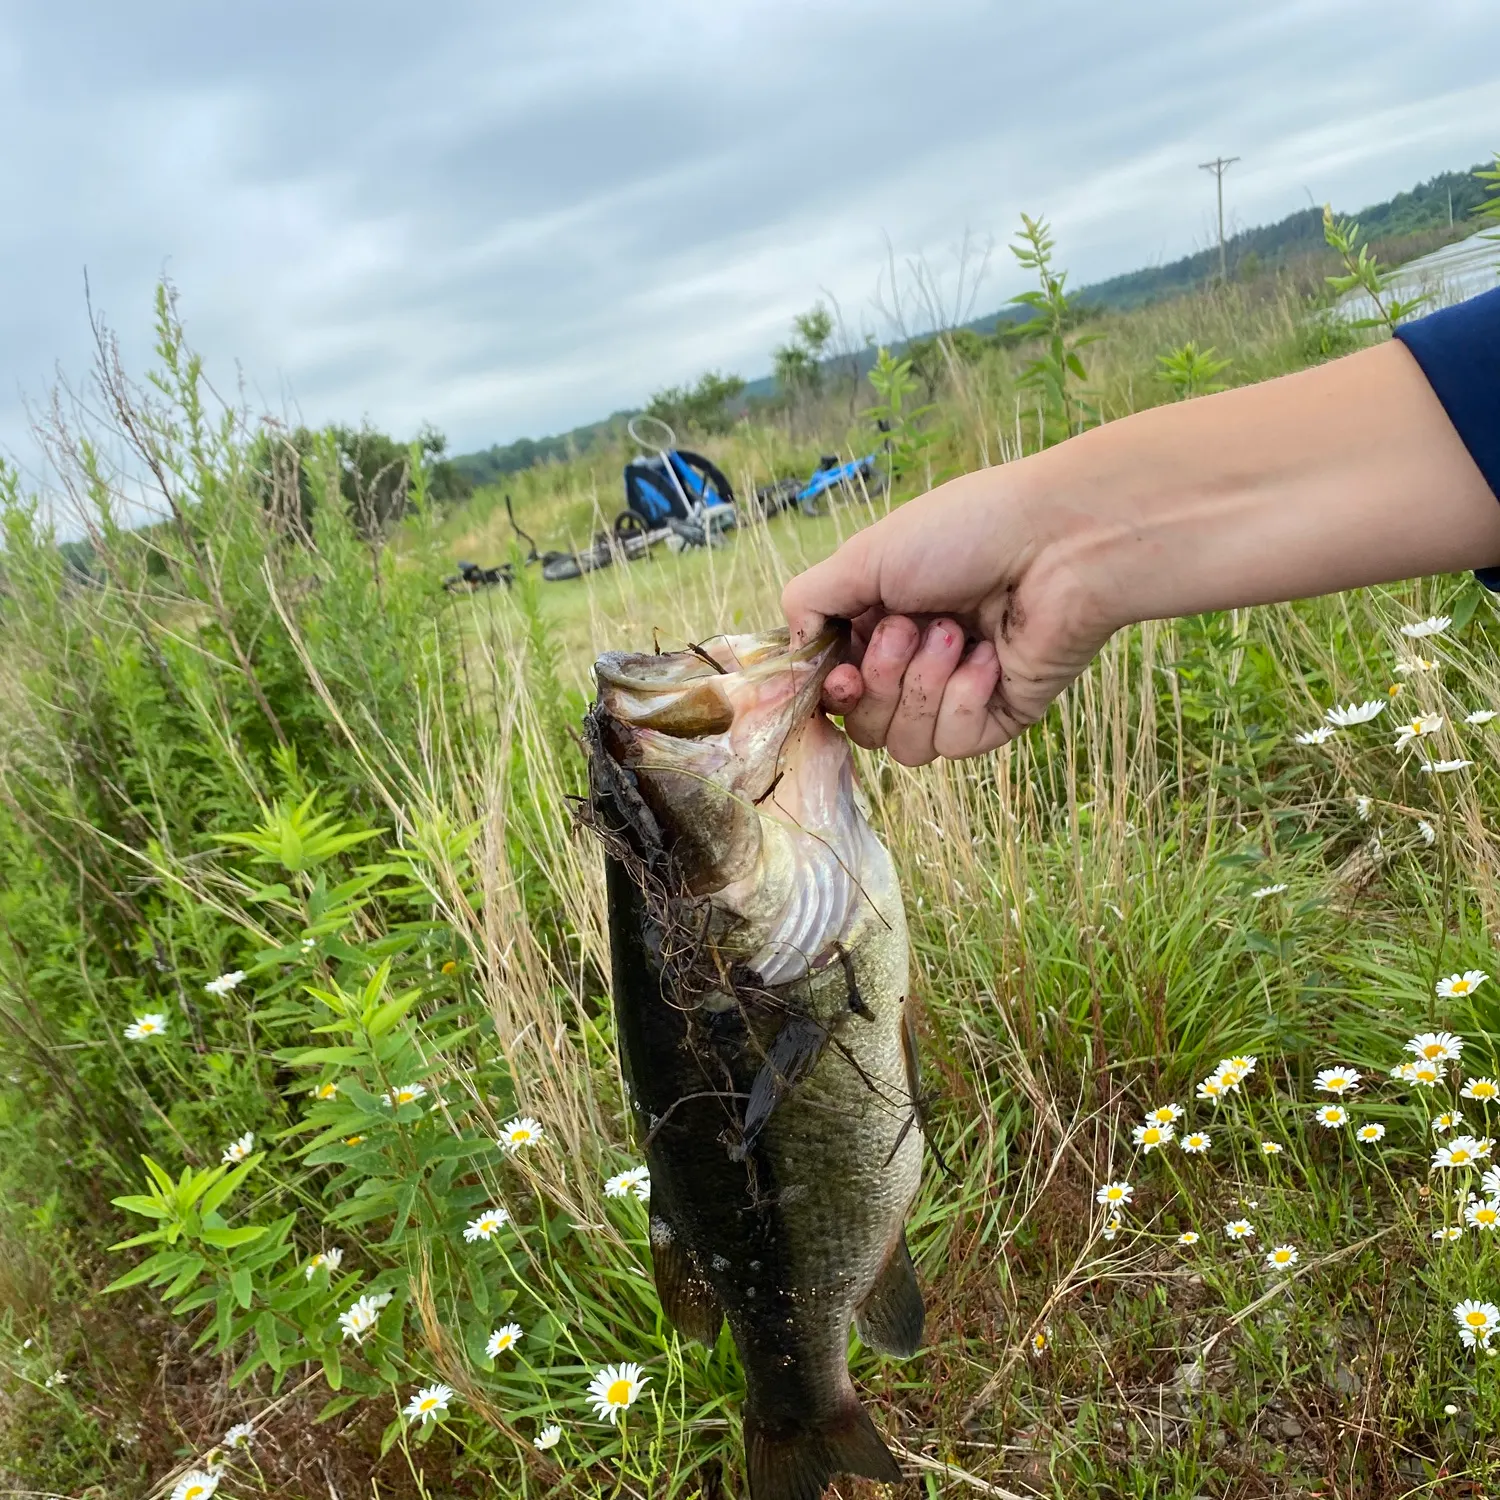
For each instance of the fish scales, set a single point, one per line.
(760, 964)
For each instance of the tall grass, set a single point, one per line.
(247, 748)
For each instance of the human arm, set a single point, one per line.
(975, 604)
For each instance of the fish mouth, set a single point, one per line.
(707, 733)
(701, 691)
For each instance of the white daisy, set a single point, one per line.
(196, 1484)
(1113, 1194)
(238, 1150)
(1188, 1237)
(1450, 1119)
(502, 1339)
(324, 1091)
(1040, 1341)
(487, 1225)
(1427, 1074)
(225, 982)
(1404, 1072)
(1441, 1046)
(548, 1437)
(1480, 716)
(1372, 1132)
(1432, 625)
(1461, 1151)
(1480, 1088)
(1164, 1114)
(406, 1093)
(636, 1180)
(1362, 806)
(1476, 1321)
(1149, 1137)
(1415, 729)
(1483, 1146)
(1279, 1257)
(1415, 664)
(1239, 1229)
(1490, 1182)
(1267, 890)
(1113, 1227)
(324, 1260)
(360, 1318)
(1428, 832)
(1450, 1233)
(1337, 1080)
(1271, 1148)
(241, 1435)
(1318, 736)
(518, 1133)
(1210, 1090)
(1331, 1116)
(1243, 1065)
(1460, 984)
(153, 1023)
(614, 1388)
(1482, 1213)
(1355, 713)
(430, 1402)
(1442, 767)
(1196, 1143)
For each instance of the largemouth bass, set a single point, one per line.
(760, 962)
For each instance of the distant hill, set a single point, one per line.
(1447, 198)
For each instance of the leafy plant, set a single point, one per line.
(1190, 371)
(1362, 271)
(1052, 372)
(901, 426)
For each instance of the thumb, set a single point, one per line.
(841, 587)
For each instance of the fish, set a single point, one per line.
(760, 977)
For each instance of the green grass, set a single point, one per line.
(1087, 941)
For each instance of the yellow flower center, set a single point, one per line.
(1461, 986)
(1460, 1155)
(428, 1402)
(1485, 1216)
(1476, 1319)
(1282, 1257)
(1483, 1091)
(520, 1137)
(449, 967)
(618, 1393)
(404, 1096)
(193, 1491)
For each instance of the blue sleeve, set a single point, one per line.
(1459, 352)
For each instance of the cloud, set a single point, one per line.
(510, 223)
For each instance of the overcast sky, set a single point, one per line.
(508, 219)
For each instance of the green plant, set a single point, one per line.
(1362, 272)
(902, 428)
(1190, 371)
(1054, 312)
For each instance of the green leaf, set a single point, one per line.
(269, 1338)
(239, 1284)
(389, 1436)
(228, 1239)
(226, 1185)
(151, 1208)
(333, 1373)
(337, 1405)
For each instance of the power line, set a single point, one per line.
(1219, 166)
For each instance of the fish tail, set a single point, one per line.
(787, 1462)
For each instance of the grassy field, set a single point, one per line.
(292, 759)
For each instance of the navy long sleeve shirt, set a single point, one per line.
(1459, 352)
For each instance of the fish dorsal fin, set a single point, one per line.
(691, 1305)
(890, 1318)
(797, 1463)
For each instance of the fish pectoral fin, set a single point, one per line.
(797, 1463)
(691, 1305)
(891, 1317)
(798, 1045)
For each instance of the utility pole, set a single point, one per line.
(1219, 166)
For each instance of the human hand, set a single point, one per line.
(969, 616)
